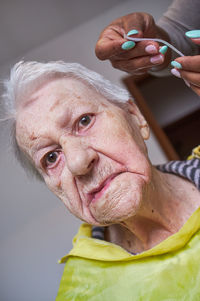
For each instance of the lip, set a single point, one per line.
(97, 192)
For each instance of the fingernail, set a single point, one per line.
(157, 59)
(163, 49)
(176, 65)
(193, 34)
(151, 49)
(128, 45)
(133, 31)
(176, 73)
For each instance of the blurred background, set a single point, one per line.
(35, 228)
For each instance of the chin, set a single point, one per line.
(115, 207)
(119, 202)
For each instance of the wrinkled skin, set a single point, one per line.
(90, 152)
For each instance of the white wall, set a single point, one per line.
(35, 228)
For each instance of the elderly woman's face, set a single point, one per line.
(90, 152)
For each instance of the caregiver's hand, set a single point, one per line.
(129, 56)
(188, 67)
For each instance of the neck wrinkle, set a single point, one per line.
(168, 201)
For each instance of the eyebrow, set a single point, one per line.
(57, 102)
(39, 145)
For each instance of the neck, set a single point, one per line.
(168, 202)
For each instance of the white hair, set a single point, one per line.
(27, 77)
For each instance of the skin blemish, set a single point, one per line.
(62, 99)
(58, 184)
(110, 114)
(33, 136)
(27, 103)
(52, 108)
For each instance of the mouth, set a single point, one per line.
(96, 193)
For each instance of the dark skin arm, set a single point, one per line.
(137, 59)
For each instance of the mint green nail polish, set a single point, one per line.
(176, 65)
(128, 45)
(193, 34)
(133, 31)
(163, 49)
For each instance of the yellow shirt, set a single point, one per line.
(97, 270)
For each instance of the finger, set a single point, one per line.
(141, 70)
(191, 77)
(190, 63)
(141, 49)
(111, 44)
(106, 48)
(139, 63)
(195, 89)
(196, 41)
(194, 35)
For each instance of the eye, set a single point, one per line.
(85, 121)
(51, 159)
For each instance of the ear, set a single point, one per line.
(141, 121)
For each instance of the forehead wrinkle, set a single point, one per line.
(31, 138)
(31, 96)
(64, 118)
(55, 100)
(57, 103)
(27, 140)
(63, 98)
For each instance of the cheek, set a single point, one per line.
(66, 191)
(123, 144)
(61, 183)
(52, 177)
(69, 194)
(54, 185)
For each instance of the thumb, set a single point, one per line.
(106, 47)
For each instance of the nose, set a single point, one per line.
(80, 158)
